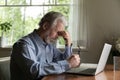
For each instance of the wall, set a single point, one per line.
(103, 20)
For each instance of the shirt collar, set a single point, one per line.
(38, 38)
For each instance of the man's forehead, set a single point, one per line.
(60, 26)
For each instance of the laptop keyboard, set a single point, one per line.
(76, 69)
(84, 68)
(88, 71)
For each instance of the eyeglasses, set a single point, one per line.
(79, 49)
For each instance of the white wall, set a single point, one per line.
(103, 20)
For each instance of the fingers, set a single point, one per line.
(66, 37)
(74, 60)
(63, 33)
(76, 56)
(60, 33)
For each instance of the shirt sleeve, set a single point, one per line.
(59, 55)
(24, 57)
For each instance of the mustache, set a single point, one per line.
(50, 40)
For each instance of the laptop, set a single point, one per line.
(90, 68)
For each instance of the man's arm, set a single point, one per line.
(59, 55)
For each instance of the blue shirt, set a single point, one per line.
(32, 58)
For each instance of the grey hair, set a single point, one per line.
(52, 18)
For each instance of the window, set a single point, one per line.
(25, 15)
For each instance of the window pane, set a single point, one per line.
(16, 20)
(63, 1)
(41, 2)
(62, 9)
(2, 2)
(31, 20)
(38, 2)
(50, 1)
(18, 2)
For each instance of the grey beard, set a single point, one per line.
(49, 40)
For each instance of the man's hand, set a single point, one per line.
(74, 61)
(66, 37)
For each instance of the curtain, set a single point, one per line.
(77, 23)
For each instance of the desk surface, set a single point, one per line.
(107, 74)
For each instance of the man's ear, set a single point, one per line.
(45, 25)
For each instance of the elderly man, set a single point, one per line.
(34, 55)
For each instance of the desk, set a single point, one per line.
(107, 74)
